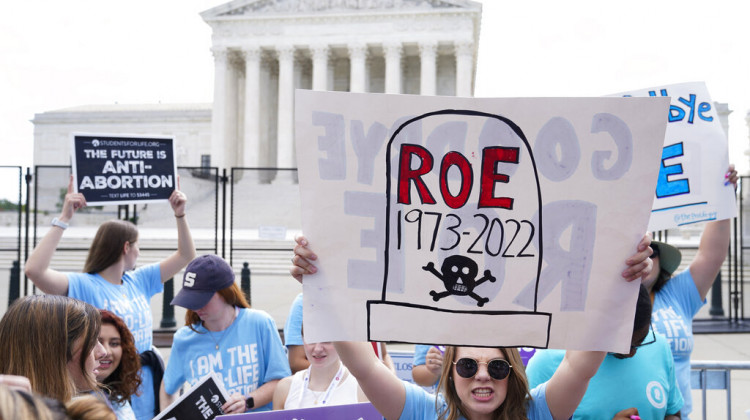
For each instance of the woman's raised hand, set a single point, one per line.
(177, 200)
(73, 201)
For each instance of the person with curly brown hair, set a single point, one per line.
(119, 368)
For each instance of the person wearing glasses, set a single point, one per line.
(639, 383)
(476, 383)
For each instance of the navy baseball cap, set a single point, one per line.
(203, 277)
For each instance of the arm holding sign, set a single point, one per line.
(37, 266)
(171, 265)
(713, 247)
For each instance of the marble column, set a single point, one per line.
(357, 67)
(219, 112)
(464, 62)
(284, 132)
(393, 53)
(320, 67)
(428, 66)
(251, 158)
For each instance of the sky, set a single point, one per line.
(57, 54)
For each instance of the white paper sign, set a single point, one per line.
(691, 186)
(475, 221)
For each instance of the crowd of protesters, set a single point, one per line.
(84, 349)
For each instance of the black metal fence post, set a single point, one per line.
(717, 306)
(167, 310)
(224, 180)
(15, 282)
(245, 281)
(28, 178)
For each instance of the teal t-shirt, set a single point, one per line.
(645, 381)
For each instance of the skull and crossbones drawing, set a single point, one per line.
(459, 275)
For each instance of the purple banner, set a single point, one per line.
(361, 411)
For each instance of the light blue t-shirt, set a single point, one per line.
(420, 354)
(123, 411)
(250, 354)
(645, 381)
(131, 301)
(420, 404)
(293, 325)
(675, 305)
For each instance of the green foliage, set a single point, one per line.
(7, 205)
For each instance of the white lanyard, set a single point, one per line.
(333, 384)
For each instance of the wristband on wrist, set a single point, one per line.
(59, 223)
(180, 216)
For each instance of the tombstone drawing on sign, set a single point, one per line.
(463, 204)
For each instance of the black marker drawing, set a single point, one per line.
(462, 204)
(459, 275)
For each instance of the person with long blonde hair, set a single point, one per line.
(52, 341)
(111, 281)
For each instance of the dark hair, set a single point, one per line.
(108, 244)
(232, 295)
(124, 381)
(642, 310)
(662, 280)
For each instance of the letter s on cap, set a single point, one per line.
(189, 280)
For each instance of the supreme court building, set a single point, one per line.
(265, 49)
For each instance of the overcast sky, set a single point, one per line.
(56, 54)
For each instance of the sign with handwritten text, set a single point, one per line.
(475, 221)
(691, 187)
(112, 169)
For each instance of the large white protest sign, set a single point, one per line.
(117, 169)
(691, 187)
(475, 221)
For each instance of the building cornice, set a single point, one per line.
(126, 113)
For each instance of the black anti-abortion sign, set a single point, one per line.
(122, 170)
(202, 402)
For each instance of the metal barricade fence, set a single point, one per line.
(705, 375)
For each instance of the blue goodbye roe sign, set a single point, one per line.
(691, 187)
(123, 170)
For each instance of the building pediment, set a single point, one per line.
(275, 7)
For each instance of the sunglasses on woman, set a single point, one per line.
(498, 369)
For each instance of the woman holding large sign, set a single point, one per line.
(475, 383)
(110, 280)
